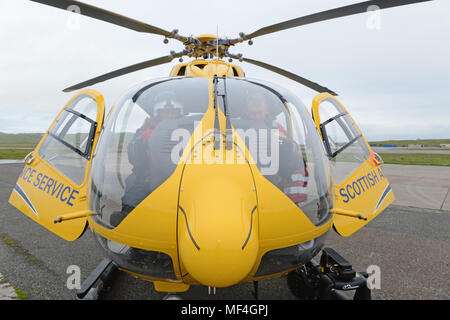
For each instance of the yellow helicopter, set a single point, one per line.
(207, 177)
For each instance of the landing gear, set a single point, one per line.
(328, 280)
(304, 282)
(97, 280)
(256, 291)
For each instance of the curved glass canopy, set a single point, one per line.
(134, 156)
(135, 151)
(284, 143)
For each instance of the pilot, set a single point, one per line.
(292, 176)
(137, 184)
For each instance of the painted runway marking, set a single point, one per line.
(446, 196)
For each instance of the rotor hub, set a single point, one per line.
(207, 46)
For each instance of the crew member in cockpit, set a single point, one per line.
(137, 184)
(292, 175)
(257, 109)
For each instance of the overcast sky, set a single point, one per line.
(392, 73)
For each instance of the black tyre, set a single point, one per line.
(302, 284)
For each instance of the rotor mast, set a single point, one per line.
(206, 46)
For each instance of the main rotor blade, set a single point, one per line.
(123, 71)
(104, 15)
(290, 75)
(331, 14)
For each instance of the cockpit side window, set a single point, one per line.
(68, 144)
(136, 151)
(344, 143)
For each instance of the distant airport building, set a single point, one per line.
(415, 145)
(390, 145)
(445, 145)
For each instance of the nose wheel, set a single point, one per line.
(329, 280)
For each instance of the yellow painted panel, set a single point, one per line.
(365, 191)
(43, 193)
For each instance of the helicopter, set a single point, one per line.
(207, 177)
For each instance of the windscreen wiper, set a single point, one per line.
(228, 130)
(217, 132)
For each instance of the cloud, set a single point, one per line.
(391, 79)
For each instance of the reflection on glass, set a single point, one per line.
(144, 262)
(346, 145)
(64, 159)
(284, 143)
(135, 152)
(67, 145)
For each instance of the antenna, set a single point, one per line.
(217, 43)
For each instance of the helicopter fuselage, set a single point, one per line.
(210, 216)
(203, 178)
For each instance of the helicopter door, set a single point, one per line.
(52, 185)
(361, 188)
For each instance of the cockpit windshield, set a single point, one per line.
(283, 142)
(135, 152)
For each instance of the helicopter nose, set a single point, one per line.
(218, 224)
